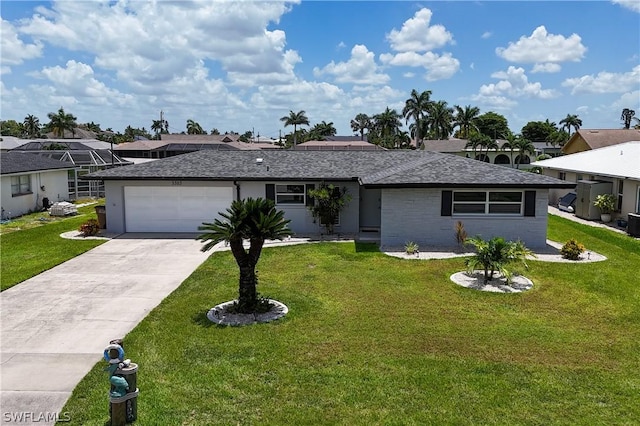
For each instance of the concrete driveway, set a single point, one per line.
(56, 325)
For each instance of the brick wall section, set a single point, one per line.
(413, 214)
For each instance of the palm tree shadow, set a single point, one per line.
(200, 318)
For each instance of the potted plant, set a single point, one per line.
(607, 204)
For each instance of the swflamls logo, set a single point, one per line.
(33, 417)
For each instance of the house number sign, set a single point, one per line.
(176, 183)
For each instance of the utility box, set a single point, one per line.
(587, 191)
(633, 224)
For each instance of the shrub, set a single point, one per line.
(606, 203)
(90, 228)
(461, 233)
(572, 250)
(497, 255)
(411, 247)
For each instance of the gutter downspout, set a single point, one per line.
(237, 185)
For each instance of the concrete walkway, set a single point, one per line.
(56, 325)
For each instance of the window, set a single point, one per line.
(20, 185)
(620, 192)
(562, 175)
(290, 194)
(487, 202)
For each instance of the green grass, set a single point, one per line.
(371, 339)
(32, 244)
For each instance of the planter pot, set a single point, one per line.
(605, 217)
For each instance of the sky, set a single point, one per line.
(241, 66)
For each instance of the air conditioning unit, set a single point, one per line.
(633, 224)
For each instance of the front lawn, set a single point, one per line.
(371, 339)
(32, 244)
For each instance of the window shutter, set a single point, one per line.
(445, 208)
(309, 199)
(270, 191)
(530, 203)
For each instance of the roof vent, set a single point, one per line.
(259, 160)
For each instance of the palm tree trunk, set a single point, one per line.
(248, 295)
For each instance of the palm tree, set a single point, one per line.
(361, 123)
(490, 144)
(627, 115)
(321, 130)
(571, 120)
(440, 120)
(31, 125)
(250, 219)
(60, 122)
(511, 145)
(194, 128)
(159, 127)
(465, 119)
(415, 107)
(495, 255)
(523, 146)
(295, 119)
(388, 122)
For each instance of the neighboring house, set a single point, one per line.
(172, 145)
(586, 139)
(7, 143)
(87, 155)
(397, 196)
(501, 156)
(340, 145)
(618, 164)
(27, 179)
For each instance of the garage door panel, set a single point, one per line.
(173, 209)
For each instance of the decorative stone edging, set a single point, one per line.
(219, 315)
(498, 284)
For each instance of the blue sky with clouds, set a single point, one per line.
(243, 65)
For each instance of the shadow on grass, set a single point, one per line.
(201, 319)
(366, 247)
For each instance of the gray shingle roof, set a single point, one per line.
(371, 168)
(21, 162)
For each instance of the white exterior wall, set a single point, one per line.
(302, 221)
(413, 214)
(55, 189)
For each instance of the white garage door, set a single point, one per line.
(174, 208)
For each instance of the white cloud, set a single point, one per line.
(604, 82)
(15, 51)
(629, 4)
(513, 84)
(549, 67)
(486, 34)
(438, 66)
(361, 68)
(418, 35)
(151, 52)
(544, 48)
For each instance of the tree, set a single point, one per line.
(478, 140)
(160, 127)
(194, 128)
(250, 219)
(511, 144)
(387, 123)
(215, 131)
(11, 128)
(465, 119)
(539, 131)
(495, 255)
(361, 123)
(523, 146)
(329, 200)
(440, 120)
(493, 125)
(321, 130)
(31, 126)
(416, 107)
(627, 115)
(60, 122)
(295, 119)
(571, 120)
